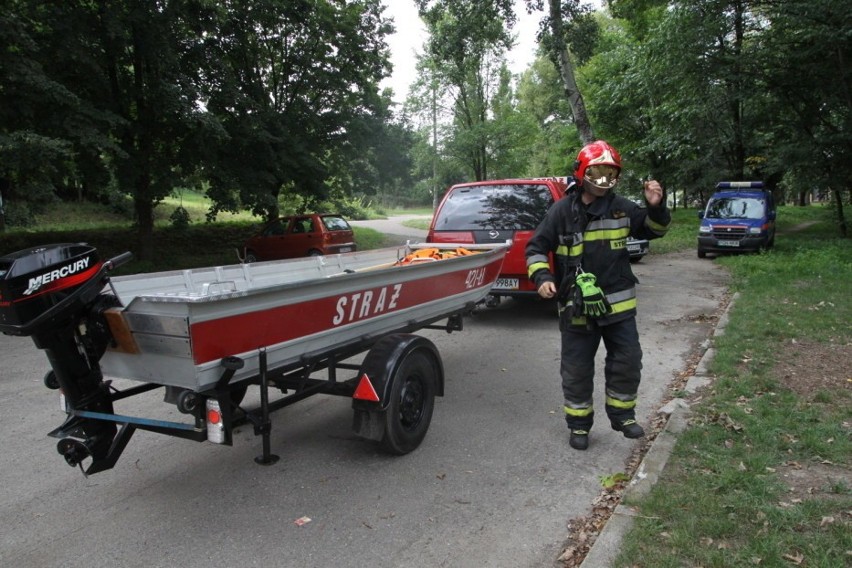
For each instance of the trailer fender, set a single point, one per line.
(383, 360)
(406, 373)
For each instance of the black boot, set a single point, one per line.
(579, 439)
(628, 427)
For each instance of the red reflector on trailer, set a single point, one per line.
(213, 416)
(365, 390)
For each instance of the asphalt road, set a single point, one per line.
(493, 484)
(393, 227)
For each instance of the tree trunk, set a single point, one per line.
(841, 220)
(566, 71)
(736, 86)
(4, 183)
(434, 145)
(144, 210)
(274, 211)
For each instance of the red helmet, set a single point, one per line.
(597, 153)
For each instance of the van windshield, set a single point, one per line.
(516, 207)
(736, 208)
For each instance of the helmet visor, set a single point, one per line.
(602, 175)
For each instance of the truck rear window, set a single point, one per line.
(503, 207)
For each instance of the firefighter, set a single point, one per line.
(595, 287)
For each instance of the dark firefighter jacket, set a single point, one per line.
(593, 237)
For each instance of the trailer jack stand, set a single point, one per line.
(265, 428)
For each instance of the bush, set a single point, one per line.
(180, 217)
(19, 215)
(351, 207)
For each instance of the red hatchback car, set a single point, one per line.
(301, 235)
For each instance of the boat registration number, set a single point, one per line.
(506, 284)
(729, 243)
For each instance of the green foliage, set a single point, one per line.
(18, 214)
(252, 98)
(351, 207)
(465, 74)
(180, 217)
(812, 36)
(305, 122)
(541, 98)
(613, 479)
(275, 106)
(697, 92)
(46, 130)
(682, 234)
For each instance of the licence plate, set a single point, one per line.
(729, 243)
(506, 284)
(633, 248)
(345, 249)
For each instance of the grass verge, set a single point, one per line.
(761, 477)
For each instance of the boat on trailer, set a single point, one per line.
(206, 335)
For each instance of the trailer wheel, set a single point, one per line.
(412, 400)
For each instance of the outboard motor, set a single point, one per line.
(53, 294)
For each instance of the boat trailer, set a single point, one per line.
(95, 328)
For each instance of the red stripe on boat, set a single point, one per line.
(214, 339)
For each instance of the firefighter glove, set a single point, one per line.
(595, 304)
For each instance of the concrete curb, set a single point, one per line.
(608, 543)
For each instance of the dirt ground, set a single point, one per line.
(813, 370)
(808, 368)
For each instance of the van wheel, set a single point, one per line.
(314, 252)
(250, 257)
(701, 253)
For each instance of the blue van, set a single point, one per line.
(740, 216)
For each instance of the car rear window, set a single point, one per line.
(736, 208)
(517, 207)
(334, 223)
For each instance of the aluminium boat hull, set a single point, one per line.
(184, 323)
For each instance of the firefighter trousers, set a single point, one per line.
(622, 371)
